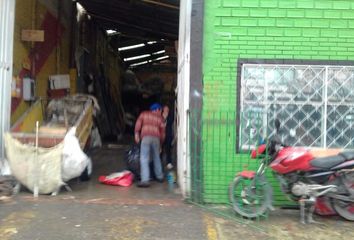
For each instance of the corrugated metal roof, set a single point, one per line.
(137, 21)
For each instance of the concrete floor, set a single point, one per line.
(97, 211)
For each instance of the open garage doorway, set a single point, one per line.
(124, 53)
(143, 36)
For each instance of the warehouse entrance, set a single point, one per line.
(123, 53)
(128, 62)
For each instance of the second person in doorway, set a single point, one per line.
(167, 146)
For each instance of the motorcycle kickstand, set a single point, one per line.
(310, 215)
(311, 210)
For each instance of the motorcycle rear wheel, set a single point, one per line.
(344, 209)
(250, 198)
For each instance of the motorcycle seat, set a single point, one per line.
(348, 155)
(327, 162)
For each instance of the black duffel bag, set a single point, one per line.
(132, 157)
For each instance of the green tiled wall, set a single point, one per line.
(260, 29)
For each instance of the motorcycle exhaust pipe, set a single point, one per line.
(314, 190)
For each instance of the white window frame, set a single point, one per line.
(7, 18)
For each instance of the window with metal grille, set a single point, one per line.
(314, 103)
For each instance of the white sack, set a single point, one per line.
(74, 160)
(29, 169)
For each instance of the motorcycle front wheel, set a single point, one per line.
(250, 198)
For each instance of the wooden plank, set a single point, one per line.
(43, 141)
(31, 35)
(84, 135)
(84, 124)
(52, 130)
(51, 136)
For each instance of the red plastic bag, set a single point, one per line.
(124, 179)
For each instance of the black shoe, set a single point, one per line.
(143, 184)
(159, 180)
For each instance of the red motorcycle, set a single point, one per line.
(325, 183)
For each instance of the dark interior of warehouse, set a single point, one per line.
(143, 37)
(140, 69)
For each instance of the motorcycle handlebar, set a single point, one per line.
(270, 148)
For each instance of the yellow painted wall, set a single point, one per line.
(21, 49)
(50, 67)
(22, 21)
(28, 122)
(20, 110)
(32, 12)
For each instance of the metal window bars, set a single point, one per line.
(314, 103)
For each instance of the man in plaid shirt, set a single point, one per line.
(150, 130)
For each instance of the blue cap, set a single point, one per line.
(155, 106)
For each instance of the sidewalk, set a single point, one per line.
(98, 212)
